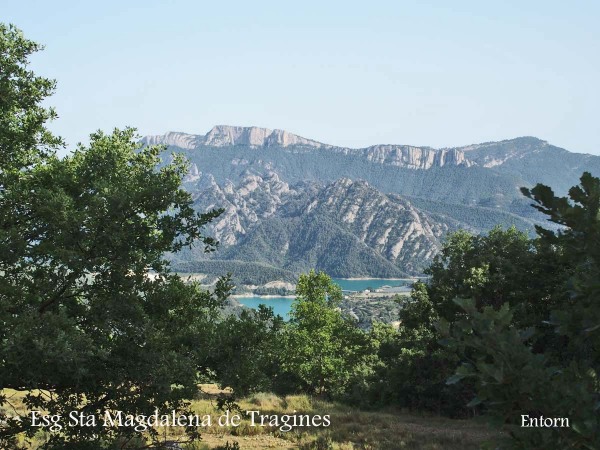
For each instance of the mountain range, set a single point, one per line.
(293, 203)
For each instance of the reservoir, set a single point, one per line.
(282, 305)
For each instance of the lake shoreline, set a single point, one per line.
(384, 279)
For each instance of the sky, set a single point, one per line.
(354, 74)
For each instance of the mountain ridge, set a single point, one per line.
(292, 203)
(224, 135)
(228, 135)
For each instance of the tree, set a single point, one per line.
(513, 376)
(502, 266)
(24, 138)
(578, 244)
(245, 356)
(91, 318)
(321, 346)
(85, 291)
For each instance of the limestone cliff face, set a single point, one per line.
(224, 136)
(295, 203)
(256, 138)
(389, 224)
(173, 139)
(254, 199)
(415, 157)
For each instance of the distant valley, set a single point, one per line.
(292, 203)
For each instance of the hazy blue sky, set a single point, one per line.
(442, 73)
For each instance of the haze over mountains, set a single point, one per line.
(293, 203)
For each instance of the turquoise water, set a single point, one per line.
(282, 305)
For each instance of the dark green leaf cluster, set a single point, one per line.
(91, 319)
(24, 139)
(85, 291)
(323, 348)
(502, 266)
(515, 370)
(245, 354)
(320, 351)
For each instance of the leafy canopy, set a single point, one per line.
(24, 139)
(513, 375)
(323, 347)
(91, 318)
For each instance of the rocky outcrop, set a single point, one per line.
(389, 224)
(254, 199)
(415, 157)
(173, 139)
(255, 137)
(492, 154)
(295, 204)
(224, 135)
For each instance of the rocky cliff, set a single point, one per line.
(293, 203)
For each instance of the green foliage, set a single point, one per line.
(86, 294)
(513, 381)
(24, 140)
(319, 351)
(579, 246)
(246, 351)
(241, 272)
(502, 266)
(413, 367)
(513, 376)
(321, 346)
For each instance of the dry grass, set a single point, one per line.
(350, 429)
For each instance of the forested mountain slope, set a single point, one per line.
(293, 203)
